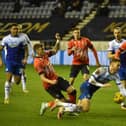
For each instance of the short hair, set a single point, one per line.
(114, 60)
(14, 25)
(117, 28)
(36, 46)
(75, 29)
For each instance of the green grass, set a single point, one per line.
(23, 109)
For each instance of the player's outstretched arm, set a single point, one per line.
(107, 85)
(57, 45)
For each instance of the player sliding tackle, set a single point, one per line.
(99, 78)
(51, 81)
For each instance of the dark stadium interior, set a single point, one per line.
(63, 15)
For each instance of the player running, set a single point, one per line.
(16, 57)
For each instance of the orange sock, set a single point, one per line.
(50, 104)
(72, 99)
(72, 96)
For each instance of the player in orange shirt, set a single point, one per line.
(52, 83)
(78, 47)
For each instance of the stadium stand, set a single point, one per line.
(26, 10)
(76, 13)
(42, 19)
(117, 11)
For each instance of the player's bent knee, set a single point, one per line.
(72, 96)
(85, 105)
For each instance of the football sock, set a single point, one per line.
(7, 89)
(23, 81)
(64, 104)
(72, 96)
(50, 104)
(68, 107)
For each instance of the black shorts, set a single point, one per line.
(56, 90)
(75, 69)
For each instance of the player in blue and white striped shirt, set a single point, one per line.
(16, 57)
(113, 46)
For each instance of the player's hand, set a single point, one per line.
(57, 36)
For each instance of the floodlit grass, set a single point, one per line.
(23, 109)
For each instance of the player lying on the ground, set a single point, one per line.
(99, 78)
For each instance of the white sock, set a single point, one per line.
(64, 104)
(69, 109)
(23, 81)
(7, 89)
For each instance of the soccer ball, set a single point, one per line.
(118, 97)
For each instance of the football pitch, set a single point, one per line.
(23, 109)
